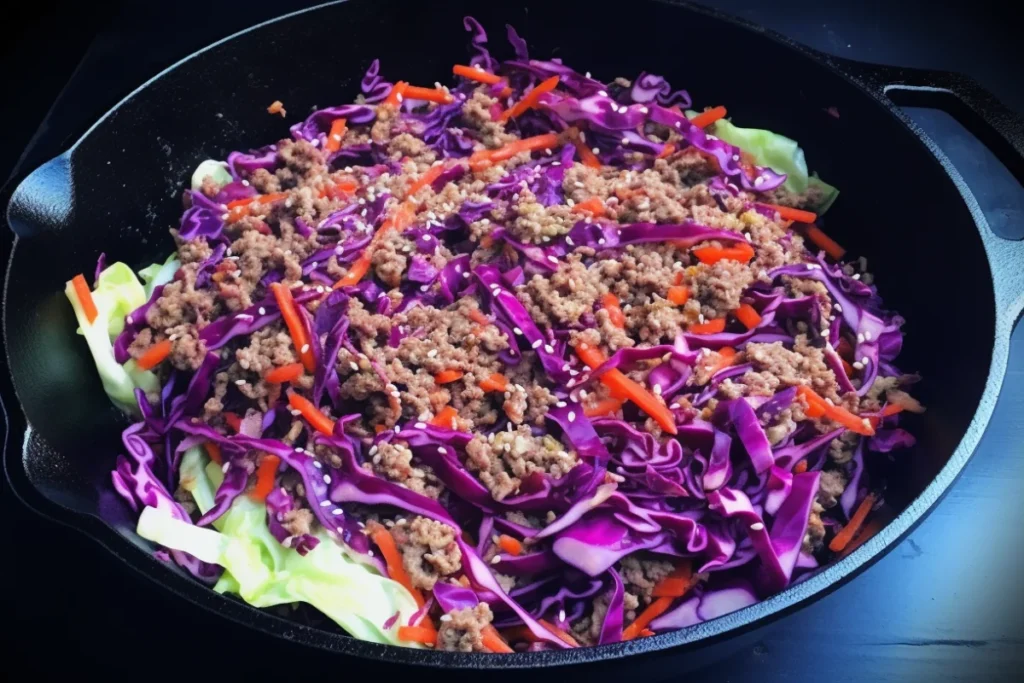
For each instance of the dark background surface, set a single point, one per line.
(945, 605)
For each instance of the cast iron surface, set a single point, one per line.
(59, 478)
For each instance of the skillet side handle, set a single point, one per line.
(44, 200)
(998, 127)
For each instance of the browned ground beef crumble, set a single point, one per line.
(392, 383)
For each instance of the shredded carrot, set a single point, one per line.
(677, 279)
(742, 252)
(675, 585)
(844, 349)
(710, 327)
(846, 534)
(653, 611)
(530, 100)
(748, 316)
(616, 317)
(394, 97)
(824, 242)
(265, 475)
(314, 417)
(678, 294)
(889, 409)
(594, 206)
(427, 178)
(867, 532)
(448, 376)
(562, 635)
(213, 450)
(334, 137)
(84, 295)
(464, 580)
(272, 197)
(606, 406)
(284, 373)
(393, 559)
(510, 545)
(445, 417)
(818, 407)
(587, 156)
(356, 271)
(232, 420)
(620, 385)
(277, 107)
(726, 357)
(788, 213)
(286, 303)
(666, 151)
(847, 368)
(478, 317)
(418, 634)
(378, 428)
(475, 74)
(706, 118)
(414, 92)
(800, 467)
(493, 641)
(496, 382)
(646, 633)
(481, 160)
(340, 189)
(154, 355)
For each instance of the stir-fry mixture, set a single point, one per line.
(532, 361)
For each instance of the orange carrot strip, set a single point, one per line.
(846, 534)
(653, 611)
(448, 376)
(394, 97)
(606, 406)
(594, 206)
(84, 295)
(510, 545)
(847, 368)
(726, 357)
(587, 156)
(616, 317)
(706, 118)
(559, 633)
(536, 143)
(678, 294)
(284, 373)
(445, 417)
(393, 559)
(314, 417)
(820, 407)
(496, 382)
(334, 137)
(621, 385)
(824, 242)
(493, 641)
(748, 316)
(427, 178)
(710, 327)
(213, 450)
(668, 150)
(889, 409)
(867, 532)
(356, 271)
(800, 467)
(678, 280)
(378, 428)
(154, 355)
(742, 252)
(341, 188)
(239, 203)
(788, 213)
(286, 304)
(272, 197)
(646, 633)
(676, 584)
(418, 634)
(475, 74)
(478, 317)
(414, 92)
(232, 420)
(530, 100)
(266, 473)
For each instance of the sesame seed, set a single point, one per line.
(561, 615)
(595, 150)
(568, 240)
(316, 464)
(325, 503)
(553, 259)
(548, 348)
(517, 330)
(678, 124)
(223, 216)
(446, 617)
(420, 425)
(226, 466)
(336, 511)
(240, 382)
(757, 526)
(656, 389)
(860, 338)
(758, 181)
(571, 417)
(496, 559)
(569, 202)
(442, 450)
(398, 430)
(560, 404)
(354, 366)
(838, 308)
(536, 344)
(856, 276)
(602, 93)
(858, 365)
(866, 422)
(304, 349)
(327, 479)
(867, 336)
(295, 413)
(373, 449)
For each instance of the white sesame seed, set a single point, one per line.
(496, 559)
(295, 413)
(327, 479)
(373, 449)
(316, 464)
(602, 93)
(325, 503)
(858, 365)
(561, 615)
(304, 349)
(398, 430)
(560, 404)
(569, 201)
(860, 338)
(517, 330)
(536, 344)
(568, 240)
(223, 216)
(856, 276)
(595, 150)
(625, 141)
(573, 373)
(758, 181)
(336, 511)
(757, 526)
(867, 423)
(656, 389)
(867, 336)
(679, 124)
(548, 348)
(240, 382)
(838, 308)
(446, 617)
(571, 417)
(226, 466)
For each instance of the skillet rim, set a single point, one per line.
(705, 634)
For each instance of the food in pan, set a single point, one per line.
(533, 361)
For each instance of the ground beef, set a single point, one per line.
(394, 460)
(815, 530)
(301, 158)
(563, 298)
(461, 630)
(405, 145)
(719, 287)
(587, 630)
(840, 451)
(477, 114)
(298, 522)
(535, 223)
(180, 303)
(429, 551)
(640, 575)
(268, 348)
(804, 364)
(830, 487)
(501, 460)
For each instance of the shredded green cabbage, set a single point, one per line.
(264, 573)
(218, 170)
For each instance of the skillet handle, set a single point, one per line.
(998, 127)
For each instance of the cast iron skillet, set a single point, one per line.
(902, 204)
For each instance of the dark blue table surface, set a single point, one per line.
(945, 605)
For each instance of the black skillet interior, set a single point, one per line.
(120, 189)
